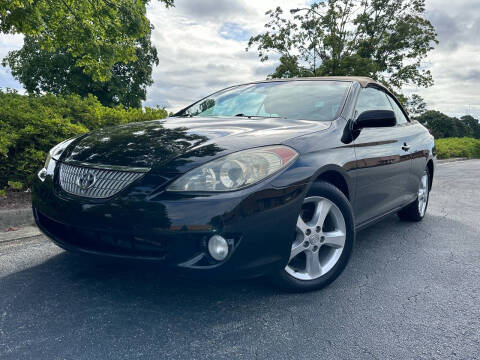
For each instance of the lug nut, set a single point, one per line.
(322, 239)
(319, 229)
(308, 232)
(306, 244)
(315, 248)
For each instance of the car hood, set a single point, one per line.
(178, 144)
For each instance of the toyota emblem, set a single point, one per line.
(86, 181)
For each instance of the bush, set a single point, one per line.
(31, 125)
(458, 147)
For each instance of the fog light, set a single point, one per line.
(218, 247)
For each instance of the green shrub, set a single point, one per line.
(458, 147)
(31, 125)
(15, 185)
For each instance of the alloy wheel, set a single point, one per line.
(319, 239)
(423, 194)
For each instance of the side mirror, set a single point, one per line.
(375, 118)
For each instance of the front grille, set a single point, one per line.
(94, 182)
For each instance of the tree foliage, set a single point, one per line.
(472, 126)
(415, 105)
(444, 126)
(58, 73)
(31, 125)
(383, 39)
(98, 33)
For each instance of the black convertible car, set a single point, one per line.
(267, 178)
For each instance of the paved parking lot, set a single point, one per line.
(411, 291)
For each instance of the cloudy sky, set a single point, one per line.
(201, 46)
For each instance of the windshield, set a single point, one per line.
(302, 99)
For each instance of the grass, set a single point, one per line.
(458, 147)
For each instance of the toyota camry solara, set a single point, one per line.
(268, 178)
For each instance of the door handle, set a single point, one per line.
(405, 147)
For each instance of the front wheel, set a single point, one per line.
(323, 240)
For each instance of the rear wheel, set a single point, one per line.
(323, 240)
(416, 211)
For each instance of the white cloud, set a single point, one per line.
(455, 61)
(9, 43)
(197, 56)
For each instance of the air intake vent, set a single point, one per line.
(98, 183)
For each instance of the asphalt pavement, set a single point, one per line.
(411, 291)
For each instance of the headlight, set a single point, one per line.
(52, 157)
(237, 170)
(58, 149)
(47, 160)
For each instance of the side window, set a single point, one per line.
(401, 118)
(372, 99)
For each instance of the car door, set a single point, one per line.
(382, 161)
(414, 140)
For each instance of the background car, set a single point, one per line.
(267, 178)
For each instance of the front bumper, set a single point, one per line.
(145, 222)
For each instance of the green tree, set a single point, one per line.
(444, 126)
(415, 105)
(98, 34)
(461, 130)
(57, 73)
(472, 125)
(439, 124)
(384, 39)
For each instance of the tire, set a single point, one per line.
(416, 210)
(328, 242)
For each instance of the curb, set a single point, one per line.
(446, 161)
(23, 233)
(16, 218)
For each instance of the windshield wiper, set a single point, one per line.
(256, 116)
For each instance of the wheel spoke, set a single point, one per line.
(321, 211)
(313, 266)
(335, 239)
(296, 249)
(301, 226)
(421, 195)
